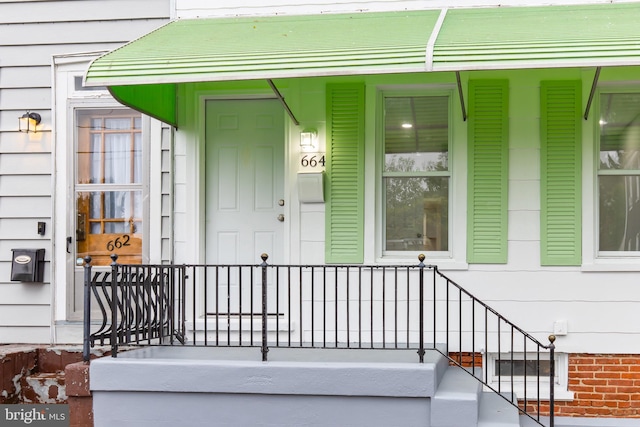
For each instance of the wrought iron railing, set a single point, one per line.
(319, 306)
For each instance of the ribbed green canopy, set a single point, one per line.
(223, 49)
(200, 50)
(538, 37)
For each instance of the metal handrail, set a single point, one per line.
(512, 331)
(319, 306)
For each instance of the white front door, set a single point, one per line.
(244, 182)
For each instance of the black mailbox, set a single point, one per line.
(27, 265)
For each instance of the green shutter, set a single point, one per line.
(560, 154)
(345, 174)
(488, 134)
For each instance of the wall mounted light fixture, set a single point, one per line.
(29, 121)
(308, 139)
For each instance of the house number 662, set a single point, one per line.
(118, 242)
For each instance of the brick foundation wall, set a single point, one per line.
(604, 385)
(16, 362)
(79, 395)
(42, 374)
(466, 359)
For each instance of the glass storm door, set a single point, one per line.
(108, 190)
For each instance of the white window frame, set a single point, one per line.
(132, 187)
(561, 387)
(593, 258)
(455, 257)
(604, 172)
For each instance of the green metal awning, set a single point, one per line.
(144, 73)
(198, 50)
(538, 37)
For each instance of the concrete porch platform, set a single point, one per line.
(230, 386)
(168, 386)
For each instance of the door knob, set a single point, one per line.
(281, 217)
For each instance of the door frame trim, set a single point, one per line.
(196, 171)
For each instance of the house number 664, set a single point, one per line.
(312, 161)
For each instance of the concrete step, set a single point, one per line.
(495, 411)
(456, 401)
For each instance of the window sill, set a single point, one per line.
(560, 393)
(610, 264)
(412, 259)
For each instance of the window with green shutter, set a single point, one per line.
(345, 174)
(488, 154)
(560, 158)
(619, 174)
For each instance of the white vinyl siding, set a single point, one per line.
(166, 210)
(30, 34)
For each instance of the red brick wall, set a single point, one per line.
(15, 363)
(79, 395)
(466, 359)
(603, 386)
(19, 362)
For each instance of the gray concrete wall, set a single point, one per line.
(155, 387)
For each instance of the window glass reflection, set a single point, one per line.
(619, 194)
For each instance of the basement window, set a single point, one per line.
(528, 375)
(522, 368)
